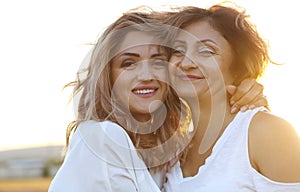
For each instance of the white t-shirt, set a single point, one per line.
(101, 157)
(228, 168)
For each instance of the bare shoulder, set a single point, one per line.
(274, 147)
(266, 125)
(269, 128)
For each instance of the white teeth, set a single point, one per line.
(144, 91)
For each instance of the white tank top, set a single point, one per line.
(228, 168)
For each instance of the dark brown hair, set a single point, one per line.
(250, 50)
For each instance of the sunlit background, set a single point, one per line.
(42, 44)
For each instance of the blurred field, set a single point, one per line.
(25, 185)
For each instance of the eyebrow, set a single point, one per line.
(159, 54)
(199, 42)
(130, 54)
(138, 55)
(179, 41)
(208, 40)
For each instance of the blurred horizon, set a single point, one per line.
(36, 145)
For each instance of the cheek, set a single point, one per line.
(226, 71)
(165, 87)
(119, 76)
(162, 75)
(174, 59)
(227, 65)
(114, 74)
(120, 84)
(172, 70)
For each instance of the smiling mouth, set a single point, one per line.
(190, 77)
(144, 91)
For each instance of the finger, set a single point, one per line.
(253, 94)
(242, 89)
(234, 109)
(259, 102)
(244, 108)
(231, 89)
(250, 97)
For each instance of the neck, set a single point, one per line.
(211, 115)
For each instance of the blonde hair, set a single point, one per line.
(94, 86)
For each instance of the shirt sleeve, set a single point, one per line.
(102, 157)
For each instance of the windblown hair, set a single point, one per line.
(250, 50)
(94, 86)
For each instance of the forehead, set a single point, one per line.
(200, 30)
(137, 39)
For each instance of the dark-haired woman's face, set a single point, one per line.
(201, 61)
(139, 75)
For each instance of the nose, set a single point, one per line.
(145, 73)
(187, 63)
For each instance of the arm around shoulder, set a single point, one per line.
(274, 148)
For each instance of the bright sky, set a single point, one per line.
(42, 46)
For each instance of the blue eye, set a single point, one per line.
(206, 50)
(128, 64)
(159, 63)
(179, 51)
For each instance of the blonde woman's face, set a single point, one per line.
(139, 75)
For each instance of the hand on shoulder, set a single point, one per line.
(274, 148)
